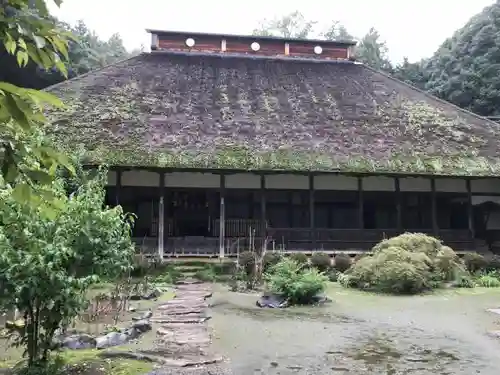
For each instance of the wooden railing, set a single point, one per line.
(365, 239)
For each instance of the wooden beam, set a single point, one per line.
(263, 214)
(435, 227)
(222, 216)
(361, 214)
(399, 216)
(161, 216)
(118, 187)
(312, 229)
(470, 208)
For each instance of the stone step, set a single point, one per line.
(179, 319)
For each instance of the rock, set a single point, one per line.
(111, 339)
(132, 333)
(320, 299)
(76, 342)
(147, 315)
(142, 325)
(132, 309)
(272, 301)
(155, 293)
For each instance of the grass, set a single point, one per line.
(89, 362)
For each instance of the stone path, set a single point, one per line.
(183, 341)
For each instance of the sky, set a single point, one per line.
(414, 29)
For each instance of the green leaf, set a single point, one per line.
(22, 58)
(12, 172)
(62, 68)
(5, 86)
(16, 112)
(60, 46)
(22, 193)
(45, 97)
(33, 54)
(39, 176)
(39, 41)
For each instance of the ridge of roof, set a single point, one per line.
(237, 55)
(252, 37)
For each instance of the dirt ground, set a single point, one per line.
(358, 333)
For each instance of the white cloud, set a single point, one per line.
(413, 29)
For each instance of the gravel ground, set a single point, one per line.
(358, 333)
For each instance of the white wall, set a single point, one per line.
(298, 182)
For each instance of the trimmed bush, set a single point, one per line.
(412, 242)
(475, 262)
(321, 261)
(342, 262)
(271, 259)
(300, 258)
(392, 270)
(297, 284)
(406, 264)
(448, 264)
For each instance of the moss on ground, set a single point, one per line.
(89, 362)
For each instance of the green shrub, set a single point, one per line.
(392, 270)
(300, 258)
(223, 268)
(475, 262)
(342, 262)
(412, 242)
(206, 274)
(448, 264)
(271, 259)
(333, 275)
(140, 266)
(492, 263)
(407, 264)
(247, 262)
(296, 283)
(488, 281)
(464, 281)
(321, 261)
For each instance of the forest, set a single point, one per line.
(464, 69)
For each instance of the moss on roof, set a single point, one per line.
(253, 114)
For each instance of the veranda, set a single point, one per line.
(218, 213)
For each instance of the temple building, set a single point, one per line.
(223, 142)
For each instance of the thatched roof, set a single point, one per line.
(213, 111)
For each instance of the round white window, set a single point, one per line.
(255, 46)
(318, 50)
(190, 42)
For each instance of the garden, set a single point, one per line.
(410, 306)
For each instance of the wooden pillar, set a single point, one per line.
(312, 226)
(361, 214)
(263, 214)
(118, 186)
(222, 217)
(161, 216)
(435, 228)
(470, 208)
(399, 216)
